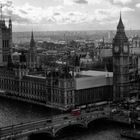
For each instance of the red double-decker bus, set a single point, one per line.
(75, 112)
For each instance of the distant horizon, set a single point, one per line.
(75, 30)
(25, 36)
(63, 30)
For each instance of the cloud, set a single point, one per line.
(70, 17)
(81, 1)
(22, 15)
(138, 5)
(122, 1)
(109, 15)
(68, 2)
(127, 9)
(56, 14)
(48, 20)
(97, 2)
(69, 13)
(72, 2)
(28, 14)
(93, 2)
(20, 20)
(24, 12)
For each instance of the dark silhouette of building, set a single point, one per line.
(32, 56)
(120, 63)
(5, 41)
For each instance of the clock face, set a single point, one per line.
(125, 48)
(116, 48)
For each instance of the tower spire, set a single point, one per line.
(32, 42)
(32, 35)
(10, 23)
(120, 24)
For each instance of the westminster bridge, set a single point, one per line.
(56, 123)
(51, 125)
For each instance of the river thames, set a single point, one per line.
(13, 112)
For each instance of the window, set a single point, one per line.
(5, 43)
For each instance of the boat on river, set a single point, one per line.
(133, 134)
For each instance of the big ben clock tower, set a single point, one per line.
(120, 64)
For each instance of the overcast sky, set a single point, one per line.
(44, 15)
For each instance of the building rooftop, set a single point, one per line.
(36, 76)
(96, 73)
(92, 82)
(95, 79)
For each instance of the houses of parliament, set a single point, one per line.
(62, 88)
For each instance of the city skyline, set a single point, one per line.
(56, 15)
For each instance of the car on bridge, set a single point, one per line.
(76, 112)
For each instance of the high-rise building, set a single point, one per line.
(120, 64)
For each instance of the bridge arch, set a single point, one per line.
(95, 120)
(40, 135)
(62, 128)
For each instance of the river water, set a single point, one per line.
(13, 112)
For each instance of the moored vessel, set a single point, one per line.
(133, 134)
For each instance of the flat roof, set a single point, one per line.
(36, 76)
(96, 73)
(93, 79)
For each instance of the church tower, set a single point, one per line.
(32, 60)
(120, 64)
